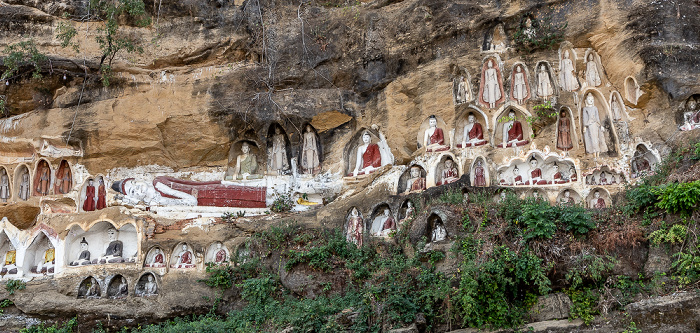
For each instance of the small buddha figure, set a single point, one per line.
(544, 84)
(89, 200)
(93, 290)
(417, 182)
(220, 256)
(46, 265)
(184, 259)
(529, 30)
(502, 197)
(309, 153)
(409, 212)
(512, 132)
(557, 178)
(84, 257)
(517, 178)
(122, 289)
(9, 266)
(535, 174)
(434, 137)
(603, 179)
(150, 288)
(113, 253)
(473, 133)
(593, 129)
(278, 160)
(101, 195)
(479, 174)
(158, 259)
(573, 177)
(566, 199)
(371, 156)
(246, 165)
(491, 87)
(465, 197)
(597, 202)
(567, 73)
(564, 132)
(449, 173)
(134, 192)
(536, 195)
(387, 223)
(64, 178)
(520, 90)
(44, 179)
(592, 76)
(439, 233)
(24, 187)
(463, 93)
(4, 187)
(615, 107)
(355, 228)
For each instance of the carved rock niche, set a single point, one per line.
(356, 141)
(520, 78)
(573, 198)
(566, 140)
(98, 242)
(254, 151)
(217, 253)
(446, 170)
(689, 115)
(463, 121)
(605, 176)
(643, 161)
(632, 91)
(118, 287)
(379, 220)
(5, 186)
(22, 183)
(610, 137)
(310, 151)
(408, 184)
(512, 136)
(89, 288)
(404, 212)
(147, 285)
(461, 86)
(64, 178)
(42, 179)
(354, 226)
(479, 175)
(439, 140)
(183, 257)
(546, 84)
(156, 258)
(491, 90)
(40, 257)
(8, 254)
(435, 230)
(568, 80)
(593, 69)
(596, 203)
(279, 150)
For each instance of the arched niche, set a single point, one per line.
(243, 254)
(183, 257)
(479, 174)
(42, 178)
(611, 142)
(354, 226)
(502, 118)
(408, 183)
(147, 285)
(255, 160)
(382, 221)
(461, 86)
(536, 194)
(89, 288)
(620, 118)
(596, 203)
(570, 199)
(689, 115)
(64, 178)
(22, 182)
(310, 152)
(435, 228)
(351, 156)
(519, 91)
(93, 194)
(605, 176)
(464, 128)
(558, 171)
(495, 39)
(643, 161)
(155, 258)
(491, 85)
(99, 244)
(566, 137)
(40, 256)
(632, 92)
(279, 150)
(8, 254)
(5, 185)
(593, 70)
(568, 80)
(406, 210)
(118, 287)
(546, 85)
(217, 253)
(439, 140)
(447, 170)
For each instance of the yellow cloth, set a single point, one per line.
(49, 255)
(306, 202)
(10, 258)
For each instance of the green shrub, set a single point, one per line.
(14, 285)
(283, 203)
(539, 219)
(68, 327)
(687, 267)
(589, 268)
(675, 234)
(576, 219)
(680, 198)
(584, 304)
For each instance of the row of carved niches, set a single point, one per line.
(117, 286)
(101, 244)
(183, 256)
(690, 113)
(19, 185)
(382, 221)
(535, 169)
(595, 197)
(248, 161)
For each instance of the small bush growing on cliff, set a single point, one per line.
(543, 34)
(679, 198)
(283, 203)
(14, 285)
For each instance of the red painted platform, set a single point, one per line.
(215, 194)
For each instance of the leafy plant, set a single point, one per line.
(687, 267)
(576, 219)
(679, 198)
(539, 219)
(14, 285)
(583, 305)
(283, 203)
(588, 268)
(68, 327)
(675, 234)
(542, 34)
(21, 54)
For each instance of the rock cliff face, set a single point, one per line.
(213, 75)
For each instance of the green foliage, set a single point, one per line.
(452, 196)
(14, 285)
(225, 276)
(544, 35)
(3, 108)
(576, 219)
(696, 151)
(69, 327)
(687, 266)
(632, 328)
(675, 234)
(679, 198)
(589, 268)
(66, 32)
(583, 305)
(22, 54)
(540, 219)
(318, 254)
(283, 203)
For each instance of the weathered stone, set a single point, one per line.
(552, 306)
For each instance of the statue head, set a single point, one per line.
(415, 172)
(490, 64)
(556, 167)
(589, 99)
(308, 128)
(101, 181)
(135, 190)
(596, 194)
(590, 57)
(83, 244)
(354, 212)
(448, 163)
(566, 54)
(572, 170)
(471, 118)
(519, 69)
(25, 177)
(542, 69)
(366, 137)
(511, 114)
(278, 131)
(528, 23)
(533, 162)
(245, 148)
(184, 247)
(563, 114)
(157, 251)
(691, 104)
(516, 170)
(614, 99)
(123, 281)
(602, 174)
(567, 193)
(91, 182)
(218, 246)
(503, 194)
(112, 233)
(386, 212)
(535, 194)
(432, 121)
(478, 163)
(409, 204)
(150, 278)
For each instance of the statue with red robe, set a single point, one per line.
(89, 203)
(101, 195)
(479, 175)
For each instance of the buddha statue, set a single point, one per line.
(473, 135)
(157, 261)
(84, 257)
(434, 137)
(513, 135)
(46, 265)
(113, 253)
(184, 259)
(416, 182)
(9, 265)
(246, 165)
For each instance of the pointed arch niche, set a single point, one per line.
(279, 150)
(611, 140)
(561, 132)
(462, 138)
(42, 178)
(5, 186)
(500, 119)
(22, 182)
(40, 257)
(64, 178)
